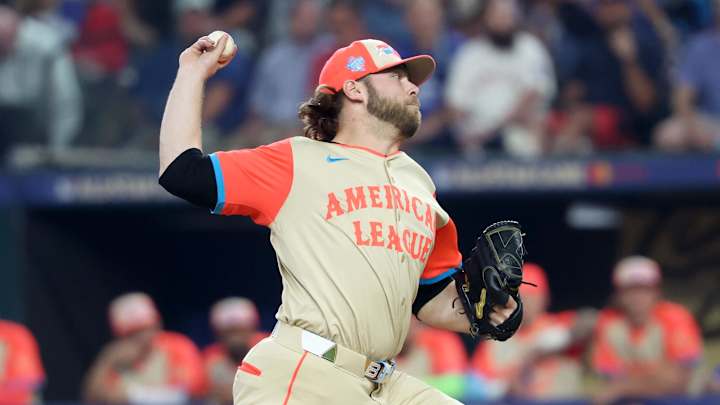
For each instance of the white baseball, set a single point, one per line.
(229, 45)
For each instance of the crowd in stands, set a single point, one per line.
(528, 78)
(639, 346)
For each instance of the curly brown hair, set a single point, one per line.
(320, 115)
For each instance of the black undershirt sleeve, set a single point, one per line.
(191, 177)
(426, 292)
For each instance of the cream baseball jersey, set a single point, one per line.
(355, 233)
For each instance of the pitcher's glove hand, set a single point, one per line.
(490, 276)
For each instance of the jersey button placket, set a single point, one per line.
(396, 209)
(391, 179)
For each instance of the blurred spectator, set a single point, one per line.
(644, 346)
(430, 35)
(278, 14)
(224, 104)
(101, 54)
(385, 20)
(235, 322)
(501, 84)
(144, 23)
(695, 123)
(235, 17)
(560, 25)
(616, 90)
(281, 76)
(662, 24)
(21, 370)
(144, 364)
(101, 48)
(435, 356)
(192, 19)
(688, 16)
(345, 25)
(40, 97)
(47, 12)
(713, 382)
(543, 360)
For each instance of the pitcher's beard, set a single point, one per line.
(404, 117)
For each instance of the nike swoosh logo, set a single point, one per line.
(333, 159)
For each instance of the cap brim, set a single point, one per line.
(419, 67)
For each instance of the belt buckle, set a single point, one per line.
(378, 371)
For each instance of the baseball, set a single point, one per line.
(229, 45)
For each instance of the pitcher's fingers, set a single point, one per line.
(503, 310)
(219, 46)
(203, 44)
(496, 319)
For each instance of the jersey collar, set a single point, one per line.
(368, 150)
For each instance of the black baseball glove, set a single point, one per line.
(490, 276)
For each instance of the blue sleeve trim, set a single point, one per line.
(219, 183)
(439, 277)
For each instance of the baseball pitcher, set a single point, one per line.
(361, 242)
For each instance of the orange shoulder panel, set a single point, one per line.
(254, 182)
(445, 256)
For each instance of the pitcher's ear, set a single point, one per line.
(354, 91)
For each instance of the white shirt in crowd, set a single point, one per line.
(39, 75)
(486, 83)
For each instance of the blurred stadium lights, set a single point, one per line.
(589, 216)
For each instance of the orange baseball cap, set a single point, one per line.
(368, 56)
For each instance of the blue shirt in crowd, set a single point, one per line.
(699, 70)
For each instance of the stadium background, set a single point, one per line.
(84, 222)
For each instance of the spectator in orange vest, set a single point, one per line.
(21, 370)
(543, 359)
(235, 322)
(144, 364)
(644, 346)
(435, 356)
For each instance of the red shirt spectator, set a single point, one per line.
(670, 335)
(436, 356)
(235, 322)
(21, 370)
(542, 360)
(101, 46)
(144, 363)
(174, 364)
(644, 346)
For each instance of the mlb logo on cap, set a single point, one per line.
(387, 50)
(369, 56)
(356, 64)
